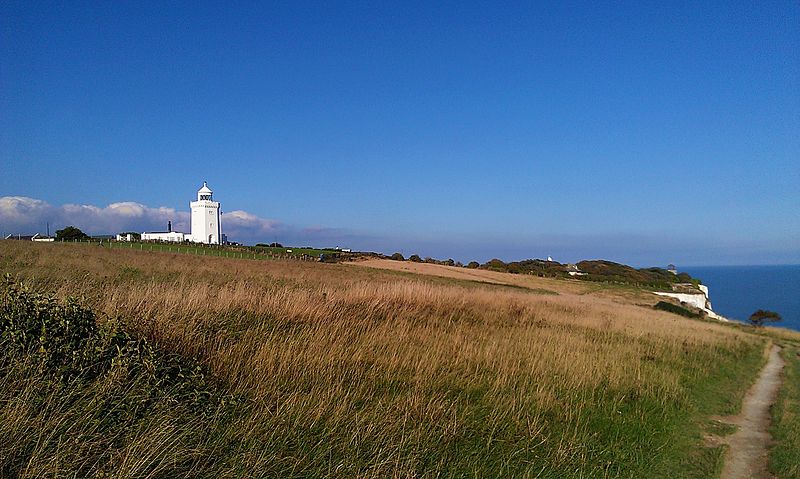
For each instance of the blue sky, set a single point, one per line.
(638, 132)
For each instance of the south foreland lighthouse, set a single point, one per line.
(205, 217)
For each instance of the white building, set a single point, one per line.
(169, 235)
(172, 236)
(206, 225)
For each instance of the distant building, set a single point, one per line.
(36, 237)
(672, 269)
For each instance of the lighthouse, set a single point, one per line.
(206, 226)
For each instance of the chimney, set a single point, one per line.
(169, 226)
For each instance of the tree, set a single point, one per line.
(473, 264)
(415, 258)
(496, 265)
(763, 316)
(71, 233)
(397, 257)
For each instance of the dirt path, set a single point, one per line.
(747, 456)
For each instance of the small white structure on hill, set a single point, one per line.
(206, 225)
(672, 269)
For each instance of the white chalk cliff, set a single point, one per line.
(698, 300)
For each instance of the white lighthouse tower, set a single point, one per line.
(206, 226)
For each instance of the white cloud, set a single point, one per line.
(241, 224)
(18, 209)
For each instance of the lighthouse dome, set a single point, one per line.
(204, 193)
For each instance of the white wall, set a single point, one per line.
(173, 236)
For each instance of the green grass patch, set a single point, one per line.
(719, 428)
(784, 454)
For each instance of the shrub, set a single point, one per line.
(71, 233)
(675, 309)
(397, 257)
(415, 258)
(762, 316)
(495, 265)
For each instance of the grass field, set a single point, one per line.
(339, 370)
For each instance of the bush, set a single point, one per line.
(763, 316)
(473, 264)
(397, 257)
(66, 342)
(495, 265)
(71, 233)
(415, 258)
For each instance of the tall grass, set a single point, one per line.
(355, 372)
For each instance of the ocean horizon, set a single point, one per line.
(737, 291)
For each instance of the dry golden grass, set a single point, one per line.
(620, 293)
(481, 275)
(380, 374)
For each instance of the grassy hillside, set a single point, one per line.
(332, 370)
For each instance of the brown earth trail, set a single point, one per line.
(748, 447)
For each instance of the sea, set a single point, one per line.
(738, 291)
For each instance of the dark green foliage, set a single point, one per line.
(398, 257)
(329, 257)
(538, 267)
(415, 258)
(675, 309)
(495, 265)
(651, 278)
(596, 270)
(473, 264)
(71, 233)
(763, 316)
